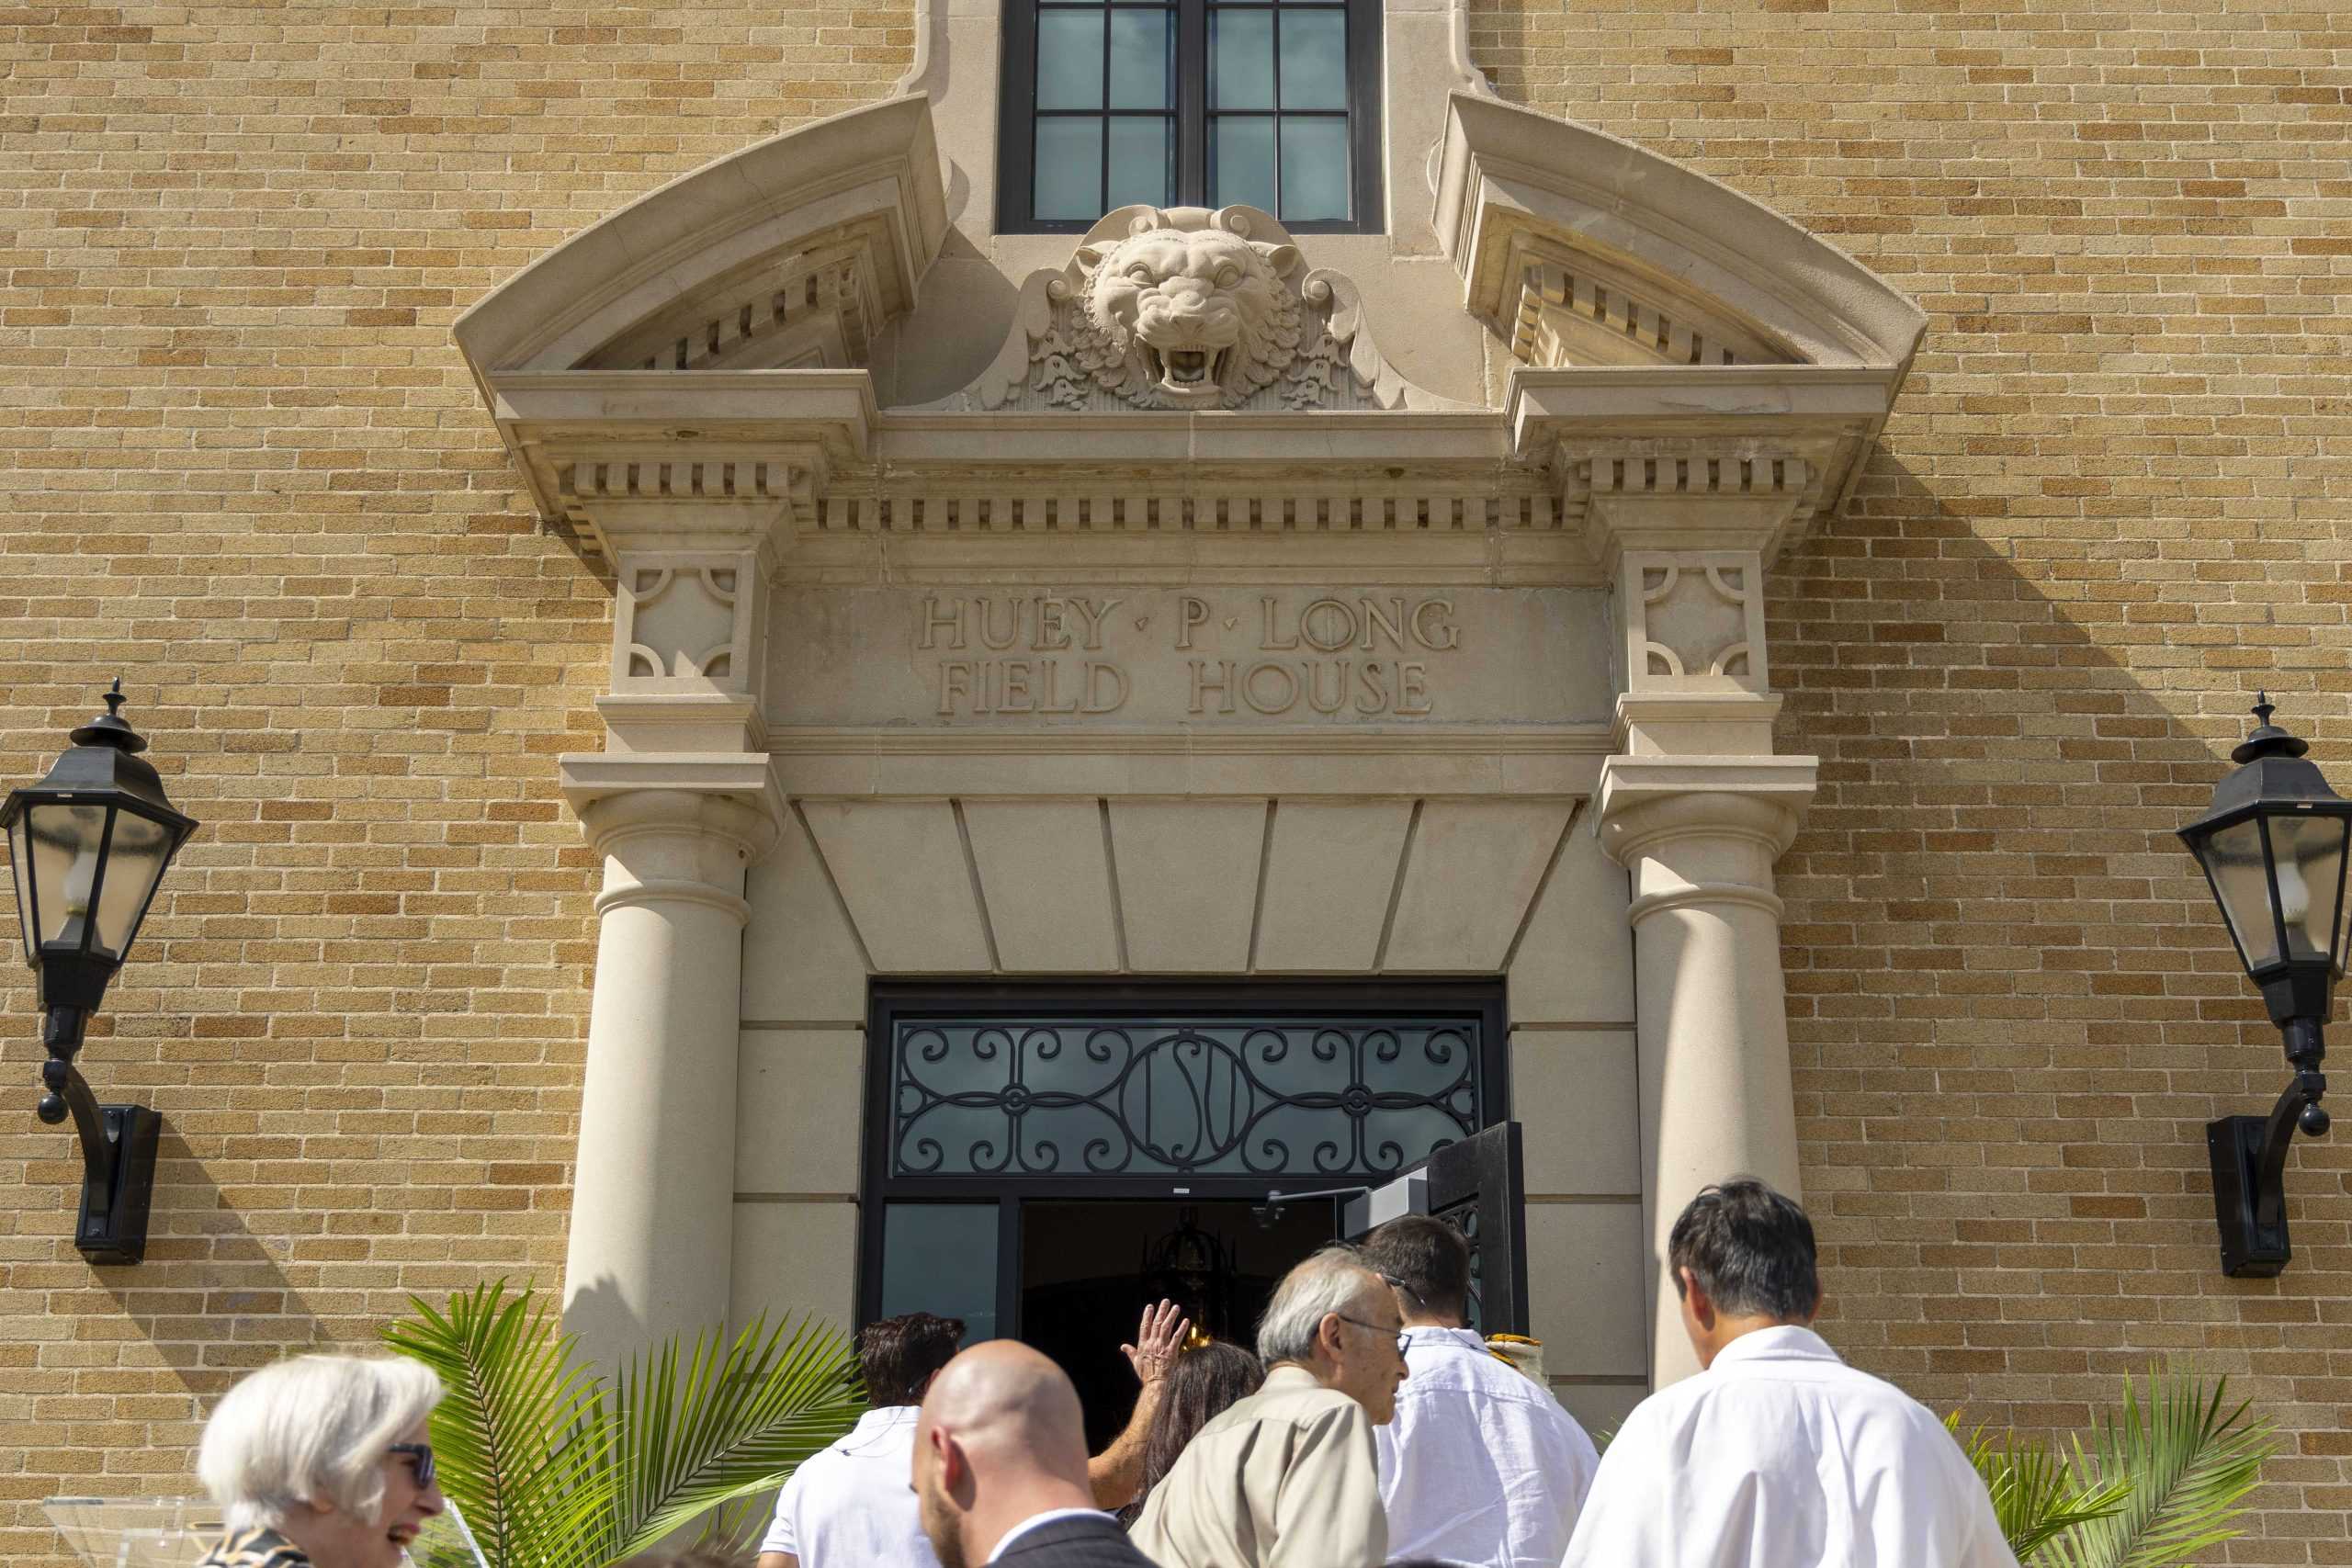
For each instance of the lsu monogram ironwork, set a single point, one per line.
(1106, 1096)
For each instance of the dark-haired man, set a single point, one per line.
(849, 1504)
(1778, 1454)
(1479, 1465)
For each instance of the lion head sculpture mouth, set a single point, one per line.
(1186, 316)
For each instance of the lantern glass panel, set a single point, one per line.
(2309, 851)
(67, 841)
(135, 864)
(20, 873)
(2242, 883)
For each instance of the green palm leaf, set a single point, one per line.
(692, 1434)
(519, 1448)
(2188, 1457)
(2035, 1496)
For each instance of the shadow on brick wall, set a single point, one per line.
(2012, 1003)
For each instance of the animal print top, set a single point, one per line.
(254, 1549)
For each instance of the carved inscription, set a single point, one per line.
(1375, 654)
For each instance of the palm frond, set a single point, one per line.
(520, 1450)
(696, 1432)
(2188, 1457)
(2035, 1496)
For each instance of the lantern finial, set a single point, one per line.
(110, 728)
(2267, 739)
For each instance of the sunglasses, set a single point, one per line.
(420, 1455)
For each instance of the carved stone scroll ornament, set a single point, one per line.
(1185, 308)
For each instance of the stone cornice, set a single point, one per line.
(1739, 457)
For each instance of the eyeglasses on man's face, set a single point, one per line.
(1381, 1328)
(420, 1458)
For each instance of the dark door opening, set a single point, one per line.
(1088, 1267)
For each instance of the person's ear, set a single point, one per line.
(954, 1469)
(1703, 1307)
(1327, 1337)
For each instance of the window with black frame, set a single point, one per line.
(1204, 103)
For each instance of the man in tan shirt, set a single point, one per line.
(1289, 1478)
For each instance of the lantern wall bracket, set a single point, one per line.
(2249, 1156)
(117, 1154)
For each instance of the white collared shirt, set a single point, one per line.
(1782, 1456)
(1479, 1465)
(850, 1505)
(1039, 1521)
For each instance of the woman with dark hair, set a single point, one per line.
(1197, 1391)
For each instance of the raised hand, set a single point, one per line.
(1158, 1337)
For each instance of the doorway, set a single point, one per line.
(1043, 1159)
(1088, 1269)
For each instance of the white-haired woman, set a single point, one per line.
(322, 1461)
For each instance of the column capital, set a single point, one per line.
(676, 827)
(1646, 801)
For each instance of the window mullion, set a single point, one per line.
(1192, 103)
(1275, 33)
(1102, 175)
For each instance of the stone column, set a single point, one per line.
(1699, 837)
(653, 1189)
(678, 805)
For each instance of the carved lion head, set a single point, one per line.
(1187, 311)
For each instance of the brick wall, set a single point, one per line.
(247, 470)
(2116, 498)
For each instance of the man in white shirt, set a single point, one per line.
(1778, 1454)
(1479, 1465)
(999, 1471)
(849, 1504)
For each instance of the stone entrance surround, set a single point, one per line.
(1087, 665)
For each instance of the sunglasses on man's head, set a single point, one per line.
(419, 1455)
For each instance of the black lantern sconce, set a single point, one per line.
(2273, 849)
(89, 844)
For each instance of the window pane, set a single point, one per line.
(1142, 167)
(2233, 860)
(1315, 59)
(940, 1258)
(1069, 168)
(1241, 161)
(135, 864)
(1069, 58)
(1315, 169)
(1241, 60)
(1142, 49)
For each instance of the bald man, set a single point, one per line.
(999, 1467)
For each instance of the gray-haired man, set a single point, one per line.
(1287, 1478)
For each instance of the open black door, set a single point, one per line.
(1479, 1187)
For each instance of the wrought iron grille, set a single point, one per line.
(1107, 1095)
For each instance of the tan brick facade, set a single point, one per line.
(248, 469)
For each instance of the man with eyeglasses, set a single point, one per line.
(1480, 1466)
(1287, 1478)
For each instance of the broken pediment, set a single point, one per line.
(790, 255)
(1187, 309)
(1579, 249)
